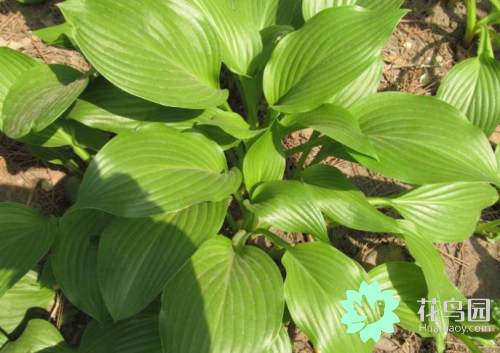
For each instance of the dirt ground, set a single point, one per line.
(424, 47)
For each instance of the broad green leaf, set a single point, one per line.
(163, 51)
(311, 65)
(336, 123)
(136, 335)
(12, 65)
(39, 97)
(342, 202)
(365, 84)
(156, 170)
(439, 285)
(39, 336)
(382, 5)
(281, 344)
(137, 257)
(290, 206)
(408, 282)
(422, 140)
(445, 212)
(265, 160)
(21, 225)
(312, 7)
(26, 294)
(232, 124)
(472, 87)
(221, 293)
(238, 24)
(55, 135)
(318, 277)
(104, 106)
(59, 35)
(74, 260)
(3, 340)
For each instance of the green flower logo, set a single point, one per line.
(371, 295)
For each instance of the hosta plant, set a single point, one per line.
(175, 179)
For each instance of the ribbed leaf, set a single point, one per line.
(163, 51)
(3, 340)
(281, 344)
(472, 87)
(55, 135)
(136, 335)
(382, 5)
(21, 225)
(59, 35)
(445, 212)
(265, 160)
(438, 283)
(138, 256)
(106, 107)
(415, 138)
(237, 24)
(312, 7)
(342, 202)
(318, 277)
(74, 260)
(39, 336)
(156, 170)
(231, 123)
(39, 97)
(290, 206)
(365, 84)
(336, 123)
(12, 65)
(408, 282)
(311, 65)
(219, 295)
(26, 294)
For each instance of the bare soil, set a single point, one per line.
(422, 50)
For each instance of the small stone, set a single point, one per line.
(408, 45)
(425, 79)
(439, 59)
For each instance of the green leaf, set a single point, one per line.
(281, 344)
(55, 135)
(365, 84)
(39, 336)
(290, 206)
(3, 340)
(439, 284)
(156, 170)
(26, 294)
(59, 35)
(342, 202)
(311, 65)
(445, 212)
(318, 277)
(20, 226)
(382, 5)
(74, 260)
(136, 335)
(422, 140)
(104, 106)
(472, 87)
(220, 294)
(12, 65)
(39, 97)
(138, 256)
(232, 124)
(265, 160)
(336, 123)
(408, 282)
(145, 49)
(238, 24)
(312, 7)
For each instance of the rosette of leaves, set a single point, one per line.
(172, 186)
